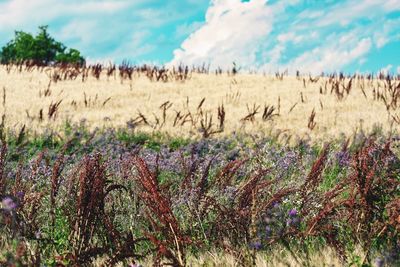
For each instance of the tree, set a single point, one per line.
(41, 50)
(72, 56)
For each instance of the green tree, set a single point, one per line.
(41, 49)
(72, 56)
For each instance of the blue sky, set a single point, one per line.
(312, 36)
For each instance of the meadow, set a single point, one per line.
(143, 166)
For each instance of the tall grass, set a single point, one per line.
(134, 204)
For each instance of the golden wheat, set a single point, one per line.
(110, 102)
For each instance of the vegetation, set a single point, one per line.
(41, 49)
(79, 196)
(111, 198)
(184, 102)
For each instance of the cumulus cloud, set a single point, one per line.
(269, 35)
(330, 58)
(232, 32)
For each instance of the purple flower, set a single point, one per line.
(20, 194)
(256, 245)
(8, 204)
(287, 161)
(343, 158)
(292, 213)
(293, 218)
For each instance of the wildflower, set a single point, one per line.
(256, 245)
(9, 204)
(292, 213)
(293, 218)
(287, 161)
(343, 158)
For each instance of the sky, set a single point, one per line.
(270, 35)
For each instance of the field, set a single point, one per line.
(139, 166)
(252, 103)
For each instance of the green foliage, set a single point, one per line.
(153, 145)
(147, 140)
(331, 177)
(41, 49)
(178, 142)
(72, 56)
(132, 138)
(38, 143)
(60, 235)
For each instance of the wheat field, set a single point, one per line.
(185, 107)
(122, 196)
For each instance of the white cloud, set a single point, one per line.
(311, 14)
(344, 13)
(232, 32)
(186, 29)
(83, 30)
(261, 34)
(398, 70)
(275, 54)
(386, 33)
(392, 5)
(328, 58)
(292, 37)
(381, 41)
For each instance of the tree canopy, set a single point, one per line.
(41, 49)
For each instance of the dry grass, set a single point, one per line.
(279, 259)
(302, 107)
(326, 257)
